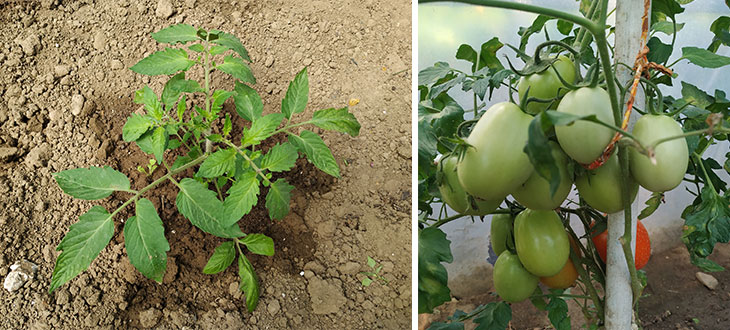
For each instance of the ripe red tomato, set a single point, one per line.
(643, 245)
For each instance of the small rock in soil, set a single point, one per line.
(38, 156)
(269, 61)
(349, 268)
(708, 280)
(77, 103)
(61, 71)
(273, 307)
(30, 44)
(117, 65)
(20, 272)
(99, 40)
(149, 318)
(164, 9)
(326, 295)
(7, 153)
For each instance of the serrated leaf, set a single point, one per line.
(227, 125)
(83, 242)
(496, 315)
(259, 244)
(280, 157)
(666, 27)
(200, 205)
(651, 205)
(230, 41)
(297, 95)
(154, 142)
(222, 258)
(248, 102)
(540, 152)
(704, 58)
(135, 126)
(91, 183)
(249, 282)
(706, 224)
(151, 103)
(434, 73)
(168, 61)
(277, 200)
(198, 48)
(261, 129)
(317, 152)
(235, 67)
(659, 52)
(433, 249)
(144, 239)
(181, 107)
(176, 86)
(699, 98)
(219, 162)
(242, 196)
(558, 313)
(173, 34)
(218, 49)
(340, 120)
(219, 97)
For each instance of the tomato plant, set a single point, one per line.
(573, 126)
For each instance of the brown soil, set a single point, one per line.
(674, 298)
(51, 50)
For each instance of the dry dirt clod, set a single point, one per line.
(38, 156)
(20, 272)
(326, 295)
(708, 280)
(31, 44)
(149, 318)
(164, 9)
(77, 103)
(273, 307)
(7, 153)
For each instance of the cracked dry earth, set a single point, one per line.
(65, 93)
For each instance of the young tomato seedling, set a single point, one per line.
(235, 171)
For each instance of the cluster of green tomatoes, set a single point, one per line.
(494, 166)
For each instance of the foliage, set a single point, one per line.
(173, 126)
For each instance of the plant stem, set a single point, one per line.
(458, 216)
(684, 135)
(208, 143)
(704, 171)
(256, 168)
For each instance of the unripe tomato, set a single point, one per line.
(643, 245)
(601, 188)
(541, 242)
(453, 194)
(512, 281)
(495, 164)
(499, 231)
(584, 141)
(546, 84)
(563, 279)
(535, 192)
(671, 156)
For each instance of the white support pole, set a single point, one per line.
(618, 281)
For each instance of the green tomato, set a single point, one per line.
(495, 164)
(499, 232)
(671, 156)
(535, 192)
(547, 85)
(512, 281)
(453, 194)
(601, 188)
(585, 141)
(541, 242)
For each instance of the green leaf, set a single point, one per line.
(219, 97)
(135, 126)
(366, 281)
(144, 239)
(235, 67)
(198, 48)
(433, 249)
(659, 52)
(83, 242)
(434, 73)
(154, 142)
(92, 183)
(558, 314)
(487, 57)
(540, 152)
(151, 103)
(227, 125)
(248, 102)
(651, 205)
(219, 162)
(536, 27)
(261, 129)
(230, 41)
(696, 96)
(666, 27)
(168, 61)
(564, 27)
(181, 108)
(371, 262)
(173, 34)
(443, 113)
(242, 196)
(217, 49)
(280, 157)
(721, 28)
(259, 244)
(704, 58)
(176, 86)
(297, 95)
(200, 205)
(496, 315)
(277, 200)
(222, 258)
(249, 282)
(340, 120)
(317, 152)
(706, 224)
(427, 148)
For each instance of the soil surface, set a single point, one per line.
(65, 93)
(673, 298)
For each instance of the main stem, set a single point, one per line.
(208, 143)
